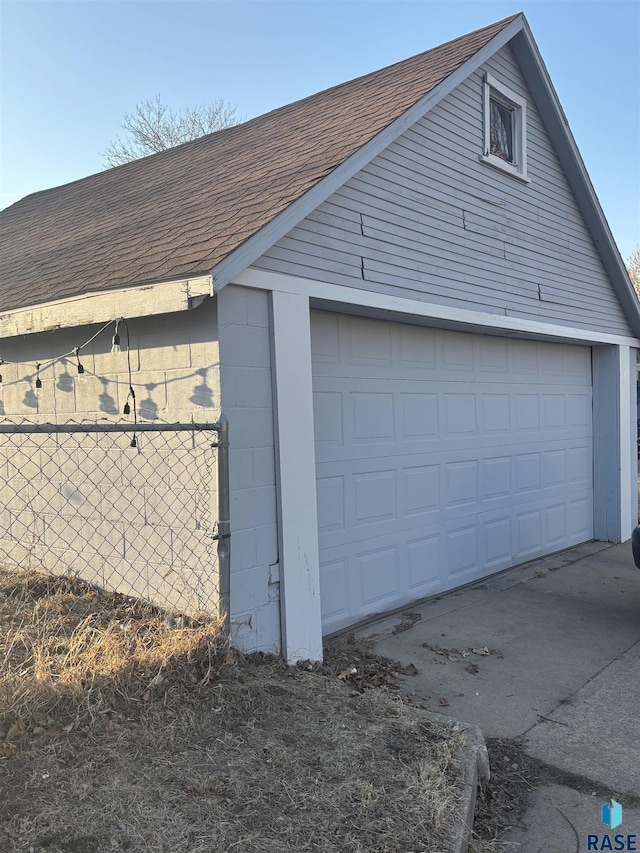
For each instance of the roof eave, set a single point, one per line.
(256, 245)
(137, 300)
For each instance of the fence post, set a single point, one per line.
(224, 524)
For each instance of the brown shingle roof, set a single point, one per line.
(178, 213)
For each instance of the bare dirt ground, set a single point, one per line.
(122, 729)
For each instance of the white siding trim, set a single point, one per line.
(296, 477)
(613, 463)
(334, 293)
(136, 301)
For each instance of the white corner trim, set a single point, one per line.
(263, 239)
(300, 612)
(144, 300)
(416, 308)
(627, 464)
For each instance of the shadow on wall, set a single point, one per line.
(107, 403)
(30, 398)
(65, 381)
(202, 395)
(148, 410)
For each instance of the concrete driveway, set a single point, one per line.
(551, 652)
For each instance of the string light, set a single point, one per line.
(115, 348)
(115, 344)
(132, 394)
(76, 352)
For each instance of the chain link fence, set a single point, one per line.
(133, 510)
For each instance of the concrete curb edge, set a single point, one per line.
(474, 768)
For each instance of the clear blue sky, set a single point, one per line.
(70, 70)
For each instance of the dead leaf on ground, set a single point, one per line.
(350, 670)
(444, 701)
(473, 668)
(484, 651)
(410, 669)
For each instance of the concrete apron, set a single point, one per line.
(563, 670)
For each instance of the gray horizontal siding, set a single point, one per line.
(426, 220)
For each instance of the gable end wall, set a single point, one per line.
(426, 220)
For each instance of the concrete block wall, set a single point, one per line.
(246, 396)
(137, 520)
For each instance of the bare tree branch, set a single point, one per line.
(153, 127)
(633, 268)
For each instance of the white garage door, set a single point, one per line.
(442, 457)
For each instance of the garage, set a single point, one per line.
(442, 457)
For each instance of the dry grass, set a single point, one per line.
(119, 732)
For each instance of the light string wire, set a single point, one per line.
(132, 394)
(75, 351)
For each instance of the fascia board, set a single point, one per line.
(555, 121)
(256, 245)
(144, 300)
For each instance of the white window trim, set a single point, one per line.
(519, 168)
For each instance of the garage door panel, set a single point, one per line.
(442, 457)
(411, 421)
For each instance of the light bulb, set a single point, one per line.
(115, 344)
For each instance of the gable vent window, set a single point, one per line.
(505, 129)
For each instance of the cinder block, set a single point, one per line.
(193, 551)
(148, 468)
(241, 468)
(243, 631)
(56, 561)
(106, 362)
(152, 545)
(264, 466)
(73, 532)
(267, 543)
(196, 393)
(232, 306)
(253, 507)
(151, 394)
(244, 552)
(97, 394)
(245, 346)
(164, 349)
(20, 399)
(65, 390)
(250, 427)
(205, 353)
(24, 463)
(123, 504)
(268, 635)
(80, 499)
(250, 588)
(130, 579)
(107, 539)
(46, 398)
(17, 494)
(258, 312)
(100, 466)
(251, 386)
